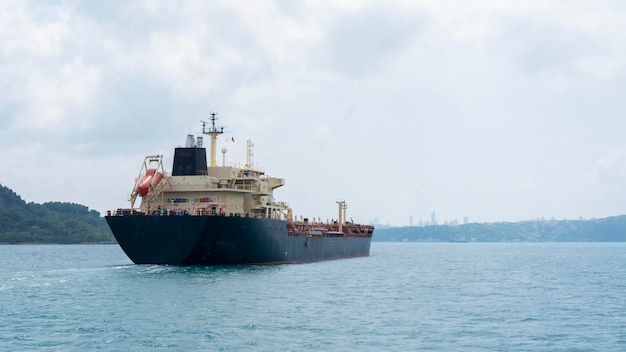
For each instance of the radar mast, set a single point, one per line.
(212, 131)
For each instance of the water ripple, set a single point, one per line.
(404, 297)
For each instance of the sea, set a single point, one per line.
(403, 297)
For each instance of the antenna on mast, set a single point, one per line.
(212, 127)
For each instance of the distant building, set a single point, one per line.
(433, 218)
(465, 220)
(411, 220)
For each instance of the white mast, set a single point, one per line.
(342, 213)
(213, 132)
(249, 154)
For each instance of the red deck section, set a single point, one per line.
(349, 229)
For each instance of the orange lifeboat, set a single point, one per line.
(144, 185)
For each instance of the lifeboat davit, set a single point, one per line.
(144, 185)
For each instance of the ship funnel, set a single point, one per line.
(199, 142)
(191, 142)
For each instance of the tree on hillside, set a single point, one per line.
(51, 222)
(8, 198)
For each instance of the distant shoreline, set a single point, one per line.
(610, 229)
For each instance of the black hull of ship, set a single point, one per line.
(224, 240)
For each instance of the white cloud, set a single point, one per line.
(357, 42)
(58, 102)
(606, 181)
(36, 35)
(488, 109)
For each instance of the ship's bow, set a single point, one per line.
(156, 239)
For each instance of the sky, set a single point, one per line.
(490, 110)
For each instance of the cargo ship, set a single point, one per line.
(210, 214)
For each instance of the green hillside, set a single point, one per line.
(52, 222)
